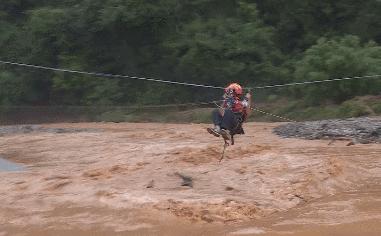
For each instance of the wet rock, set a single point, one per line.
(19, 129)
(187, 180)
(151, 184)
(359, 130)
(26, 129)
(229, 188)
(350, 144)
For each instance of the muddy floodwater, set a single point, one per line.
(166, 179)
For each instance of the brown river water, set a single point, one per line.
(128, 179)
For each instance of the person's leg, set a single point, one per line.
(217, 119)
(229, 121)
(228, 125)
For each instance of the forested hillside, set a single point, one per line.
(199, 41)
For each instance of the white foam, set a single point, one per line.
(252, 230)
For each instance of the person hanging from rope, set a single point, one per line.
(234, 111)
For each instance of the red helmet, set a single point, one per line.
(236, 88)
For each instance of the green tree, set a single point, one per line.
(337, 58)
(199, 41)
(220, 50)
(299, 24)
(18, 90)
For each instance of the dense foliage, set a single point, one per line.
(200, 41)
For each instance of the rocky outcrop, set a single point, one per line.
(360, 130)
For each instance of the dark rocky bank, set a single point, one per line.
(359, 130)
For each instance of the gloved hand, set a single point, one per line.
(230, 102)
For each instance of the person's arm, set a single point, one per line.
(249, 103)
(223, 104)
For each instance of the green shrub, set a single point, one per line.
(112, 116)
(376, 108)
(353, 109)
